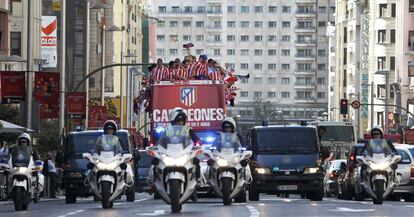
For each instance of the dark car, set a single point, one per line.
(348, 182)
(75, 167)
(144, 166)
(286, 159)
(331, 176)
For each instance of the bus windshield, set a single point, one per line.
(338, 133)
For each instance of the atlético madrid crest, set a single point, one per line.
(188, 95)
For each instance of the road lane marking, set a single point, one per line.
(44, 200)
(72, 213)
(411, 206)
(155, 213)
(253, 211)
(345, 209)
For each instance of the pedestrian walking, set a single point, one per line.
(52, 175)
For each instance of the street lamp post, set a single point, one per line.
(387, 74)
(129, 94)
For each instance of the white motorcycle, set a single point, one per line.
(4, 177)
(379, 174)
(108, 177)
(174, 171)
(28, 182)
(228, 172)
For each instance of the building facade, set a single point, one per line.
(282, 45)
(4, 27)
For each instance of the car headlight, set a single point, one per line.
(263, 170)
(311, 170)
(380, 166)
(169, 161)
(107, 166)
(75, 174)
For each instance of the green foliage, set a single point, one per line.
(48, 137)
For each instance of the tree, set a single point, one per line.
(48, 137)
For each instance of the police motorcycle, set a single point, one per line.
(108, 177)
(227, 168)
(4, 175)
(27, 180)
(174, 171)
(378, 170)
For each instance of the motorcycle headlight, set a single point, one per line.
(20, 170)
(107, 166)
(311, 170)
(169, 161)
(380, 166)
(263, 170)
(221, 162)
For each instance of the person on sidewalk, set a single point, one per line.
(52, 175)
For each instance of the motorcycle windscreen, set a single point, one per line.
(174, 136)
(107, 145)
(378, 146)
(20, 157)
(227, 141)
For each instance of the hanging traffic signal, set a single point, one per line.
(344, 106)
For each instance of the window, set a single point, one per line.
(258, 9)
(244, 80)
(258, 24)
(244, 24)
(188, 9)
(244, 66)
(272, 9)
(392, 63)
(392, 40)
(200, 24)
(321, 95)
(271, 38)
(199, 37)
(173, 23)
(285, 66)
(321, 81)
(173, 38)
(160, 24)
(272, 24)
(160, 37)
(244, 52)
(258, 38)
(217, 38)
(231, 9)
(285, 94)
(271, 80)
(217, 24)
(173, 51)
(322, 24)
(244, 9)
(286, 24)
(303, 95)
(322, 9)
(304, 66)
(162, 9)
(382, 36)
(244, 38)
(231, 52)
(175, 9)
(382, 10)
(231, 65)
(285, 52)
(231, 38)
(381, 63)
(411, 6)
(321, 66)
(160, 52)
(187, 37)
(257, 80)
(199, 51)
(258, 66)
(332, 8)
(258, 52)
(271, 52)
(393, 10)
(271, 66)
(271, 94)
(411, 40)
(321, 53)
(257, 94)
(231, 24)
(286, 38)
(201, 9)
(244, 94)
(286, 9)
(285, 80)
(217, 52)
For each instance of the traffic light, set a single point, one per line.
(344, 106)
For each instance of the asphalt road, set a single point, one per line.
(267, 206)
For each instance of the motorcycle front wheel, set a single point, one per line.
(18, 198)
(175, 189)
(379, 191)
(106, 194)
(226, 190)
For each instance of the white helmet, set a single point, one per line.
(110, 124)
(377, 129)
(24, 136)
(228, 122)
(177, 114)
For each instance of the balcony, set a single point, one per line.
(216, 13)
(305, 1)
(305, 43)
(304, 85)
(214, 42)
(304, 57)
(212, 2)
(305, 28)
(214, 28)
(305, 14)
(4, 5)
(304, 99)
(305, 71)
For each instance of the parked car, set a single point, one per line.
(348, 182)
(330, 181)
(285, 161)
(144, 166)
(405, 173)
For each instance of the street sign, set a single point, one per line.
(356, 104)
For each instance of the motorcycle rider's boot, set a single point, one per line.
(129, 177)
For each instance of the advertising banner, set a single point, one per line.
(76, 105)
(97, 116)
(12, 87)
(48, 43)
(46, 91)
